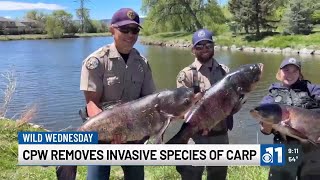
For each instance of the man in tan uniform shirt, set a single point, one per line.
(201, 75)
(116, 72)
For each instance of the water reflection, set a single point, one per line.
(49, 74)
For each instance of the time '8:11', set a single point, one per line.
(293, 150)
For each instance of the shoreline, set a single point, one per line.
(185, 44)
(45, 36)
(178, 43)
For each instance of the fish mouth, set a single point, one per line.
(255, 114)
(260, 66)
(196, 97)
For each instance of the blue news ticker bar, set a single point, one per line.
(57, 137)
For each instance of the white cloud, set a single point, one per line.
(11, 6)
(8, 17)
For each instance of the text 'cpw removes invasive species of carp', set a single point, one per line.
(221, 100)
(302, 124)
(137, 120)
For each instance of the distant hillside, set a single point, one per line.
(109, 20)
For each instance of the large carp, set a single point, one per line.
(299, 123)
(136, 120)
(221, 100)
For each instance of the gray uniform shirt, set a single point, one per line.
(206, 79)
(105, 71)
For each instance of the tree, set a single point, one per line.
(54, 27)
(83, 15)
(315, 17)
(65, 19)
(240, 10)
(186, 15)
(36, 15)
(255, 14)
(58, 23)
(298, 18)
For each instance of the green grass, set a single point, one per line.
(293, 41)
(44, 36)
(169, 37)
(10, 170)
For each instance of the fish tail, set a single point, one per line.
(182, 137)
(66, 172)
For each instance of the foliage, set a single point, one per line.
(83, 14)
(240, 11)
(37, 16)
(254, 14)
(181, 15)
(99, 26)
(94, 26)
(54, 27)
(298, 18)
(66, 21)
(316, 17)
(227, 14)
(311, 41)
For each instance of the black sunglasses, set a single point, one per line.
(126, 30)
(202, 46)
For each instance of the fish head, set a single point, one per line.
(178, 102)
(270, 113)
(246, 77)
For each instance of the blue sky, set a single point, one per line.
(99, 9)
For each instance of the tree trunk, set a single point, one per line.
(246, 28)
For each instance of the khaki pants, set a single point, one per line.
(213, 172)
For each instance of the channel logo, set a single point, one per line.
(272, 155)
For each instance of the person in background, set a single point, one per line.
(292, 89)
(201, 75)
(116, 72)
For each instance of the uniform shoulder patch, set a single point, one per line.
(92, 63)
(181, 76)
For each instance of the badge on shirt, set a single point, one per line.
(92, 63)
(278, 99)
(140, 68)
(181, 76)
